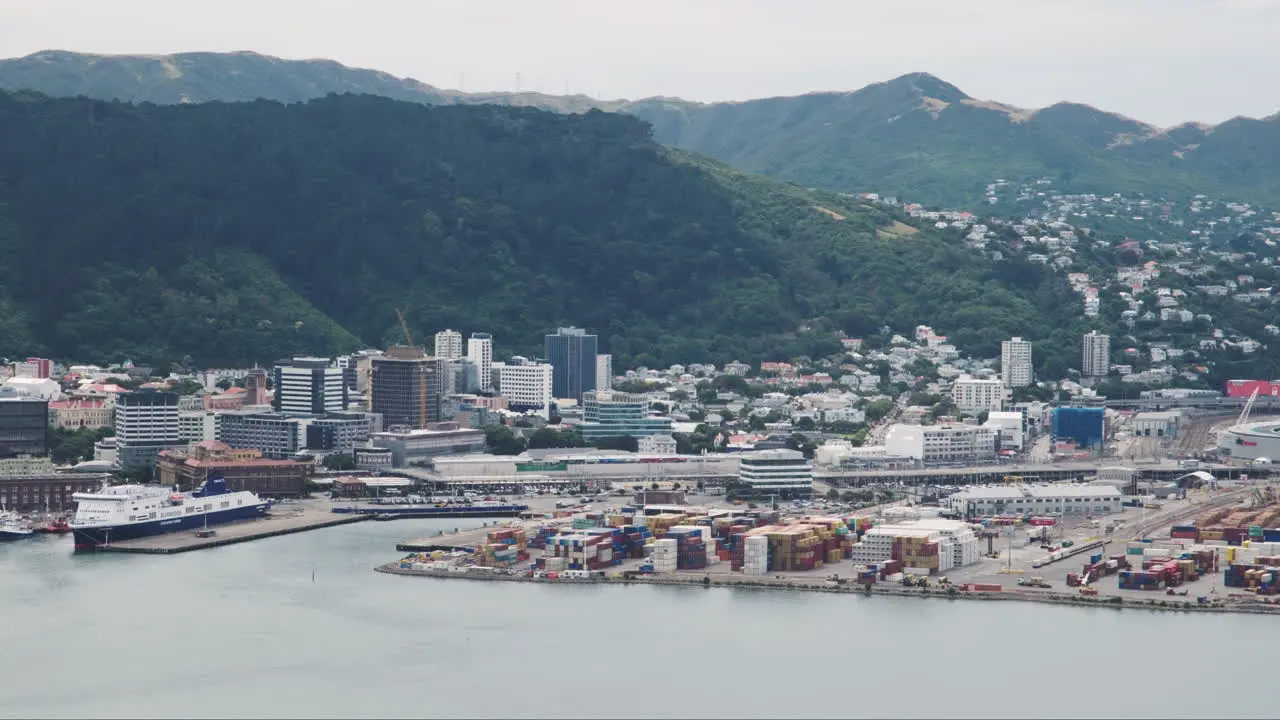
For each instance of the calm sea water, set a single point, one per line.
(244, 631)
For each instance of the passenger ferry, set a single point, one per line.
(125, 512)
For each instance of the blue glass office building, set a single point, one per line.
(572, 355)
(1084, 426)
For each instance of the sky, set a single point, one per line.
(1160, 61)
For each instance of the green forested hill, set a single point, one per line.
(915, 136)
(233, 232)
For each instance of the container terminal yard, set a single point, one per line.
(1212, 546)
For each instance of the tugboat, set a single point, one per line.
(56, 526)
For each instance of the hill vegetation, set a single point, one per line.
(915, 136)
(239, 232)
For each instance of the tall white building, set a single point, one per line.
(1097, 355)
(973, 395)
(1015, 362)
(525, 384)
(198, 426)
(480, 352)
(943, 443)
(449, 344)
(604, 372)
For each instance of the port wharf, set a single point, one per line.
(847, 587)
(1057, 472)
(423, 511)
(274, 524)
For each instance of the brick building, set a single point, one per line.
(244, 469)
(35, 493)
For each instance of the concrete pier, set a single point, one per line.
(283, 520)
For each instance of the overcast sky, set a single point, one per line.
(1162, 61)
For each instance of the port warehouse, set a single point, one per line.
(493, 473)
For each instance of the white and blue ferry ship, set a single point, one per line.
(125, 512)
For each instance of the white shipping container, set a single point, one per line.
(917, 571)
(896, 577)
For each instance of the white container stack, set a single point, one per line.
(556, 564)
(663, 556)
(755, 555)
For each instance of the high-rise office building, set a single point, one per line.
(1096, 361)
(604, 372)
(572, 354)
(1015, 362)
(146, 423)
(449, 344)
(24, 427)
(309, 386)
(407, 387)
(480, 352)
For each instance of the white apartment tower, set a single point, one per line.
(449, 344)
(480, 352)
(604, 372)
(974, 395)
(525, 384)
(1015, 362)
(1097, 355)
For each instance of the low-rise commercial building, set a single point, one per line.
(784, 473)
(1022, 500)
(1010, 426)
(1157, 424)
(943, 443)
(444, 438)
(608, 414)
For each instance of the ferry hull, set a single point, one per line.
(90, 538)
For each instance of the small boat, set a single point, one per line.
(57, 526)
(11, 528)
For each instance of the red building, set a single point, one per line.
(1245, 388)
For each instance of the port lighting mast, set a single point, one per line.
(1248, 407)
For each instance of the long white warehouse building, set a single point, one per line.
(1055, 499)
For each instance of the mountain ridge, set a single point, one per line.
(601, 103)
(915, 136)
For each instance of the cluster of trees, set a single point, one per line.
(69, 446)
(250, 231)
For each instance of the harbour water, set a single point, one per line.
(301, 626)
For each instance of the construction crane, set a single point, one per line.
(1248, 407)
(408, 337)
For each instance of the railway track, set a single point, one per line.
(1228, 497)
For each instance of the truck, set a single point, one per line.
(1035, 582)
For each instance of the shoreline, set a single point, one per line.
(1163, 603)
